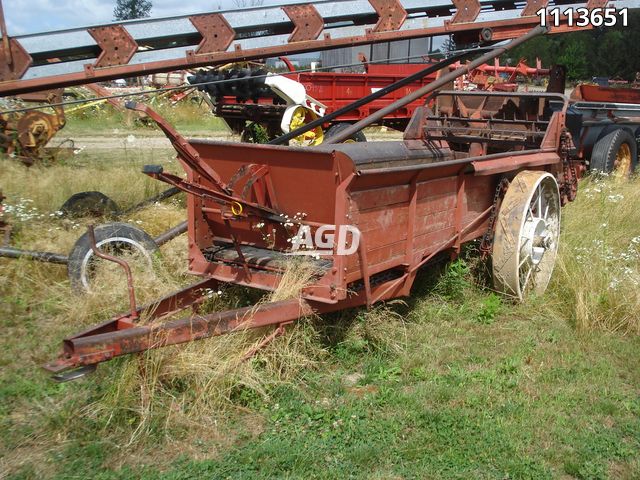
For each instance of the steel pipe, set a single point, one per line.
(170, 234)
(49, 257)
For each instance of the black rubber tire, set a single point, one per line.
(95, 204)
(604, 152)
(118, 234)
(337, 128)
(486, 34)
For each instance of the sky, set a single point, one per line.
(33, 16)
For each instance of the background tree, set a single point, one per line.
(603, 52)
(130, 9)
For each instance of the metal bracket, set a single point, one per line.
(466, 11)
(74, 374)
(391, 15)
(216, 33)
(117, 45)
(15, 62)
(308, 22)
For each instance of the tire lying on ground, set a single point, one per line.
(96, 204)
(337, 128)
(616, 152)
(113, 238)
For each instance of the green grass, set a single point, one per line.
(522, 398)
(453, 382)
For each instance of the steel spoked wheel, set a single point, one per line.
(527, 235)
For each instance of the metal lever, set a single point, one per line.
(125, 266)
(187, 153)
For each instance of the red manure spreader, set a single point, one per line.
(478, 165)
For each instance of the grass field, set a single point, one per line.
(454, 382)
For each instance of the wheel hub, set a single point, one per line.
(537, 239)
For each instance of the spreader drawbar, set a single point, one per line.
(85, 55)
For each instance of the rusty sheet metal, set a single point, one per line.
(406, 214)
(94, 348)
(503, 163)
(307, 21)
(25, 135)
(120, 336)
(466, 11)
(56, 68)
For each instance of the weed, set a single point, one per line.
(597, 277)
(454, 280)
(489, 308)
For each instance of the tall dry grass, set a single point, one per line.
(187, 386)
(597, 277)
(47, 187)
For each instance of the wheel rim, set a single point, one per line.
(301, 116)
(121, 244)
(622, 164)
(527, 236)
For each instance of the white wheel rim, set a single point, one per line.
(84, 267)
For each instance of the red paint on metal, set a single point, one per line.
(14, 61)
(466, 11)
(595, 93)
(502, 30)
(336, 90)
(410, 204)
(125, 266)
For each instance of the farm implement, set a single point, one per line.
(489, 166)
(480, 165)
